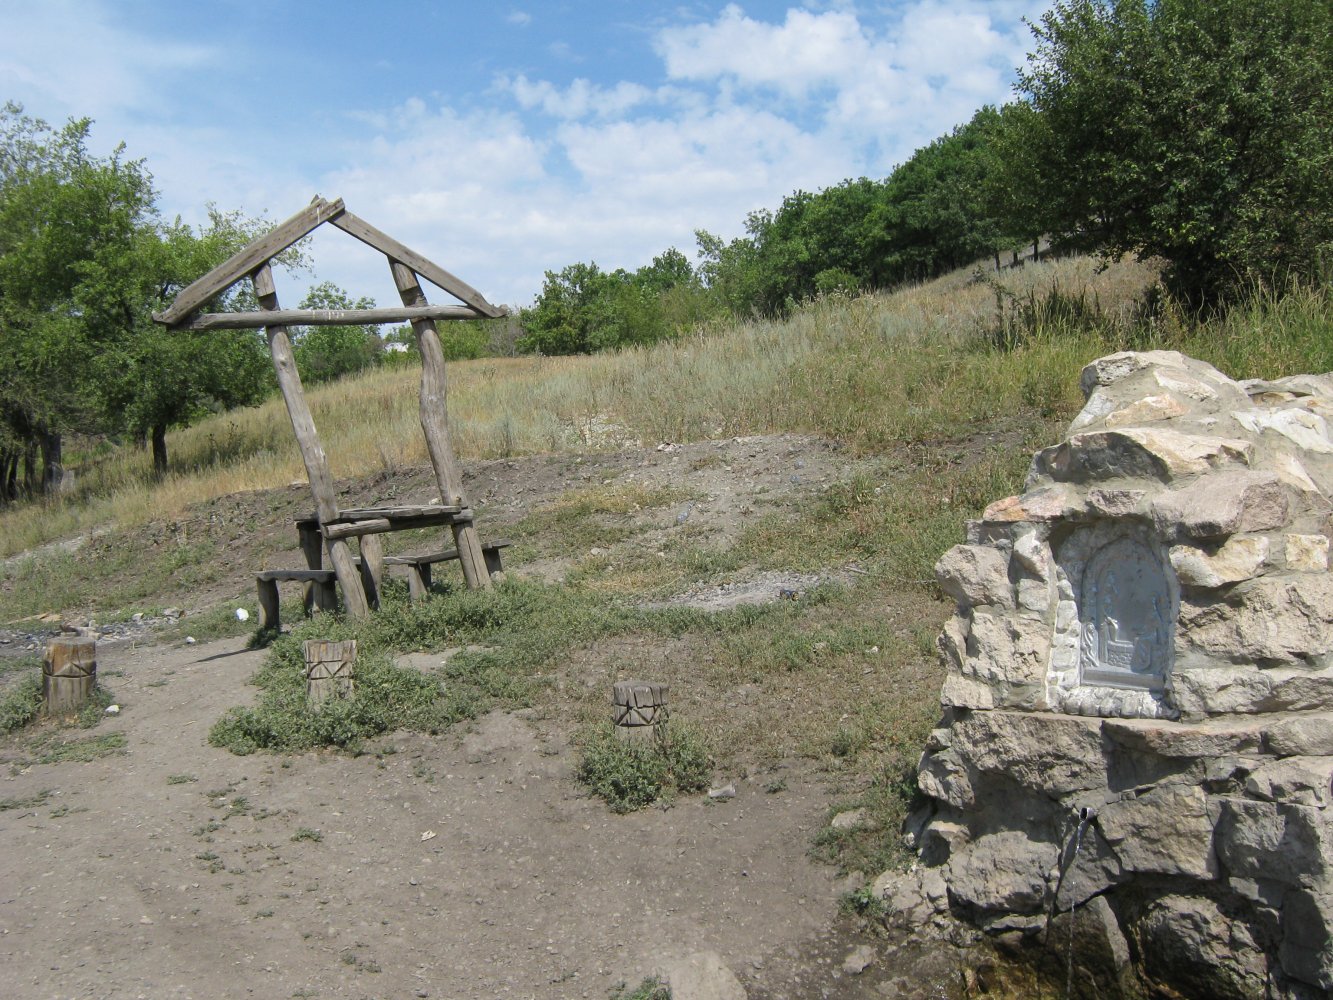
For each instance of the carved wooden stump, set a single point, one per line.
(69, 673)
(328, 669)
(638, 708)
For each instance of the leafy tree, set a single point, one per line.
(157, 379)
(1200, 131)
(324, 353)
(70, 228)
(583, 308)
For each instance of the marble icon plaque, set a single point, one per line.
(1125, 617)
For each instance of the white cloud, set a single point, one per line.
(806, 51)
(520, 18)
(580, 99)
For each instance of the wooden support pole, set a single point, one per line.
(312, 547)
(329, 668)
(269, 615)
(435, 425)
(316, 465)
(372, 567)
(69, 673)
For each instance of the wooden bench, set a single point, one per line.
(418, 566)
(325, 591)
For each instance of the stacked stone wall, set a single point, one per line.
(1138, 706)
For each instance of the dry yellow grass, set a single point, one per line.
(837, 367)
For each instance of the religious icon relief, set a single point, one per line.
(1125, 618)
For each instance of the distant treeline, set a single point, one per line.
(1199, 132)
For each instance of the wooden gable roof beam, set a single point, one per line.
(324, 317)
(246, 260)
(432, 272)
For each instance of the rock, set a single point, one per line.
(1168, 560)
(1308, 431)
(849, 820)
(1046, 504)
(1192, 948)
(1115, 368)
(943, 777)
(858, 960)
(1303, 780)
(1307, 553)
(1307, 941)
(1001, 871)
(1268, 620)
(727, 791)
(1300, 735)
(1221, 505)
(1273, 841)
(1160, 454)
(1239, 558)
(1052, 754)
(1146, 410)
(1115, 503)
(975, 574)
(1165, 831)
(702, 976)
(1196, 740)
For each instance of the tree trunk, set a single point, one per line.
(9, 464)
(52, 469)
(30, 469)
(160, 449)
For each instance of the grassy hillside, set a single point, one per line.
(939, 394)
(925, 363)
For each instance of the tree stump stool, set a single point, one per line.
(328, 669)
(638, 708)
(69, 673)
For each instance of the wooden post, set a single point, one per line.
(372, 567)
(638, 708)
(267, 593)
(69, 673)
(312, 547)
(316, 465)
(328, 669)
(435, 425)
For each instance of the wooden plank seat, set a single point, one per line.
(418, 566)
(325, 593)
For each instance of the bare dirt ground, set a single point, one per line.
(468, 865)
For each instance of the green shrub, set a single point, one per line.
(386, 697)
(630, 775)
(21, 703)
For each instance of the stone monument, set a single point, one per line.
(1137, 741)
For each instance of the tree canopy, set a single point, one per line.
(1199, 131)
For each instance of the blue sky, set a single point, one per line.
(504, 140)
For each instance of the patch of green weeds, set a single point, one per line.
(180, 779)
(631, 774)
(875, 845)
(22, 701)
(53, 750)
(26, 801)
(651, 988)
(94, 709)
(306, 833)
(862, 902)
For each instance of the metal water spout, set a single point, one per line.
(1083, 816)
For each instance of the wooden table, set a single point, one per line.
(367, 524)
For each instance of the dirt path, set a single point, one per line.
(469, 865)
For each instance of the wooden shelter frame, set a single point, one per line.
(408, 268)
